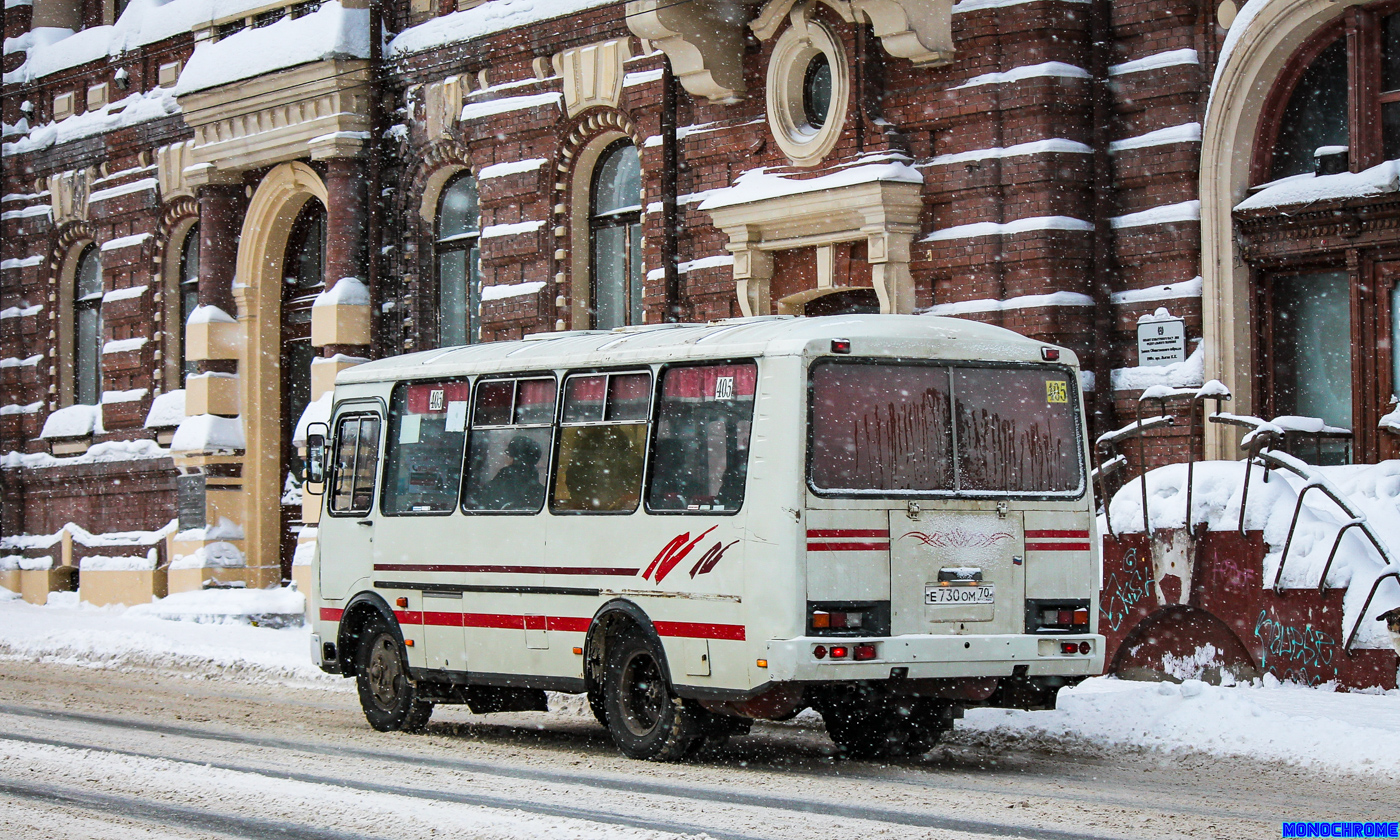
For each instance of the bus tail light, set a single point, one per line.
(1069, 647)
(864, 653)
(1050, 354)
(819, 652)
(840, 652)
(852, 618)
(1057, 616)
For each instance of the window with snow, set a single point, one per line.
(615, 223)
(87, 328)
(459, 263)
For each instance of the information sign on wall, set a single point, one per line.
(1161, 342)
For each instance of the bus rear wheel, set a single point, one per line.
(388, 697)
(646, 719)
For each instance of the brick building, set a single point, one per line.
(212, 207)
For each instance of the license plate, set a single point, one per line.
(938, 596)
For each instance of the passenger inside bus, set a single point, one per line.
(517, 485)
(604, 471)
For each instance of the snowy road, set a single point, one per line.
(92, 752)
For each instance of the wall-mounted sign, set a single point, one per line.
(189, 500)
(1161, 342)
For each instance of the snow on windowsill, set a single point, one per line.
(124, 345)
(511, 229)
(125, 242)
(1184, 133)
(1308, 188)
(1048, 69)
(132, 395)
(1156, 61)
(483, 20)
(694, 265)
(1034, 223)
(492, 107)
(515, 167)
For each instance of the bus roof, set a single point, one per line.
(920, 336)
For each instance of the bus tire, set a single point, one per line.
(645, 717)
(389, 698)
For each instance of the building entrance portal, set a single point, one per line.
(303, 278)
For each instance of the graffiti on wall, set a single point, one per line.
(1301, 654)
(1124, 588)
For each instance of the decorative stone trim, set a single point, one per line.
(574, 171)
(592, 75)
(796, 49)
(919, 30)
(703, 39)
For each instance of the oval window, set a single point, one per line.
(816, 91)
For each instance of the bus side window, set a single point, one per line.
(423, 453)
(507, 457)
(602, 437)
(356, 457)
(700, 451)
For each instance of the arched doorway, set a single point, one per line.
(303, 278)
(273, 222)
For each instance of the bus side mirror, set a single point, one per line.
(316, 453)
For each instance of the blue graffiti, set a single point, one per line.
(1299, 654)
(1121, 594)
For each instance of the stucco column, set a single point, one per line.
(220, 219)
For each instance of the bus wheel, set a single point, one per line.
(645, 718)
(388, 697)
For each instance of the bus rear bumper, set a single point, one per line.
(935, 657)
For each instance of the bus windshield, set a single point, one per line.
(900, 429)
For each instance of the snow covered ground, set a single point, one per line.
(1306, 727)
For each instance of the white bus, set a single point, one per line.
(884, 518)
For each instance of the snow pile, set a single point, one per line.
(137, 637)
(1186, 211)
(504, 291)
(208, 433)
(760, 184)
(222, 606)
(133, 110)
(486, 19)
(967, 307)
(1373, 489)
(492, 107)
(224, 555)
(167, 410)
(1190, 373)
(317, 411)
(1269, 721)
(130, 563)
(99, 453)
(347, 291)
(1048, 69)
(1015, 226)
(209, 314)
(225, 530)
(1184, 133)
(1307, 188)
(332, 31)
(515, 167)
(73, 421)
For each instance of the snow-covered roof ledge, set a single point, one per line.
(761, 184)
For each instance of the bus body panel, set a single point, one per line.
(508, 598)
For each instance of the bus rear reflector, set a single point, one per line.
(866, 652)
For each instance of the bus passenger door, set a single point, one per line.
(346, 533)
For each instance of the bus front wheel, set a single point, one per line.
(646, 719)
(388, 697)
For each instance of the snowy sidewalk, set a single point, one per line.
(1307, 727)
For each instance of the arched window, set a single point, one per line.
(458, 263)
(615, 220)
(87, 328)
(1316, 116)
(188, 294)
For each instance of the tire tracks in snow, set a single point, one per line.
(632, 786)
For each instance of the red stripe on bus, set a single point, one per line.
(1057, 546)
(695, 630)
(331, 613)
(564, 624)
(1043, 535)
(505, 570)
(847, 546)
(813, 533)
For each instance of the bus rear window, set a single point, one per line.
(884, 428)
